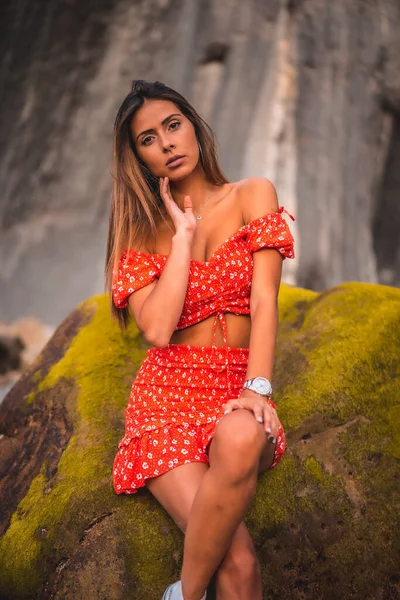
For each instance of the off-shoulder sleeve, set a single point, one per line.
(135, 270)
(271, 231)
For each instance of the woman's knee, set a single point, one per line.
(240, 431)
(240, 567)
(238, 442)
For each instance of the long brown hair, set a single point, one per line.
(136, 202)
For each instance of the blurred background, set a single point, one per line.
(303, 92)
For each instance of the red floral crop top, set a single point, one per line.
(221, 284)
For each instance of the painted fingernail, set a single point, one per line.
(271, 439)
(259, 419)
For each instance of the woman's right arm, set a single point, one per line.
(157, 307)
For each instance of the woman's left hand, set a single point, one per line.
(262, 407)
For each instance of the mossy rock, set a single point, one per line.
(325, 522)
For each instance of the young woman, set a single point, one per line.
(188, 251)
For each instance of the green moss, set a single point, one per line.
(30, 398)
(154, 547)
(37, 376)
(20, 547)
(293, 302)
(314, 468)
(346, 339)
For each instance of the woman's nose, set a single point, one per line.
(167, 146)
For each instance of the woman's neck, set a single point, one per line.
(196, 186)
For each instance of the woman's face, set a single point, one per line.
(165, 139)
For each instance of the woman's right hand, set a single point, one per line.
(184, 221)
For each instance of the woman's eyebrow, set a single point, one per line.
(162, 123)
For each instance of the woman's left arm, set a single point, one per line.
(267, 270)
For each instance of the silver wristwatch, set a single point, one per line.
(260, 385)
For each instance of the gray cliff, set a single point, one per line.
(306, 94)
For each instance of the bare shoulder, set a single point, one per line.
(257, 197)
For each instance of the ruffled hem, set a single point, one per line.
(158, 451)
(142, 458)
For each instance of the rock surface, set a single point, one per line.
(306, 94)
(325, 522)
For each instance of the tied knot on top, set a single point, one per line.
(282, 209)
(220, 316)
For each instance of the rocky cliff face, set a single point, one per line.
(304, 93)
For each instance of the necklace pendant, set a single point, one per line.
(199, 217)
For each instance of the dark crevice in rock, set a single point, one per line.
(70, 567)
(293, 6)
(95, 522)
(10, 353)
(385, 228)
(50, 587)
(216, 52)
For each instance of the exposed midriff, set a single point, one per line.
(199, 334)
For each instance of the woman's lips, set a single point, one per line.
(176, 162)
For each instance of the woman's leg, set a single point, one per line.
(176, 489)
(223, 498)
(238, 576)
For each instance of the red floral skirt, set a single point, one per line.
(174, 406)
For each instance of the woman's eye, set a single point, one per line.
(146, 141)
(177, 123)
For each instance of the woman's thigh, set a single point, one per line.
(175, 490)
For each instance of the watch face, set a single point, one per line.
(262, 385)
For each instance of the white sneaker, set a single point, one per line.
(174, 592)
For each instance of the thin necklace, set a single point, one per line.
(200, 216)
